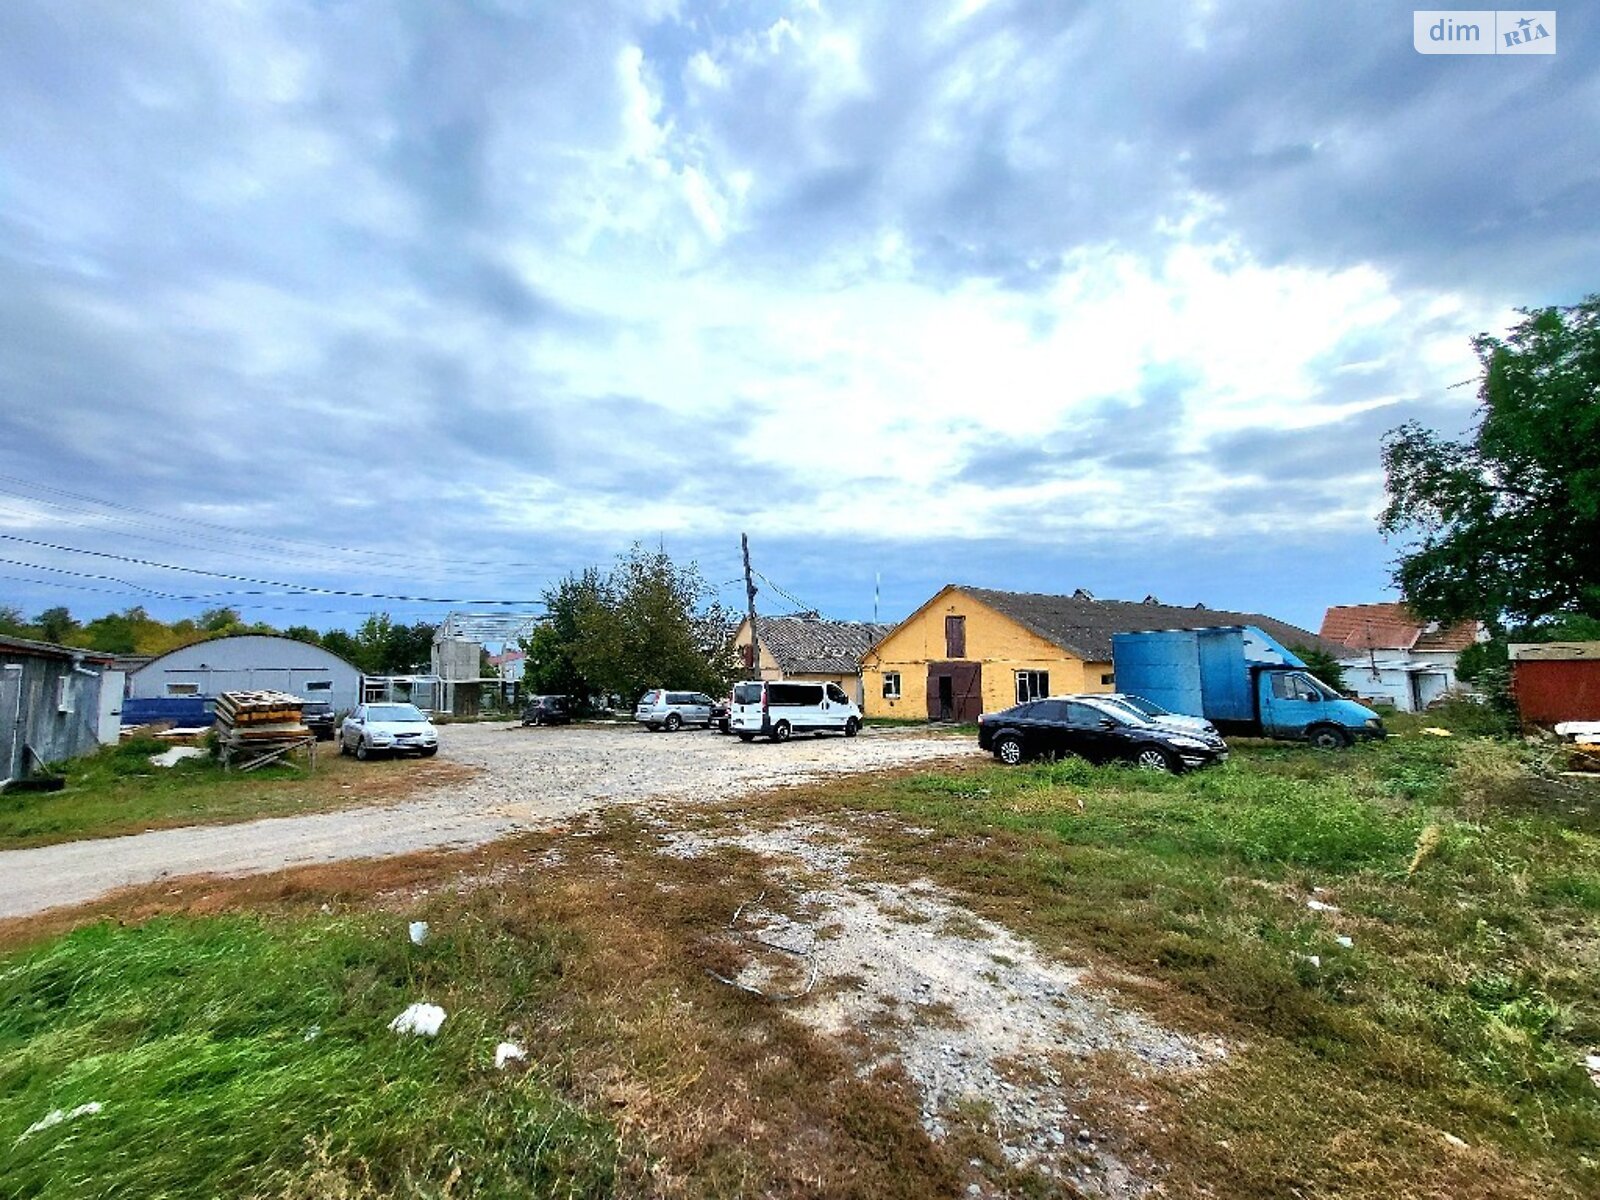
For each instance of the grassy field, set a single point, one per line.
(1461, 1008)
(1438, 1054)
(118, 791)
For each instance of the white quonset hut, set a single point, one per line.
(249, 662)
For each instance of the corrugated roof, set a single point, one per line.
(50, 650)
(1390, 625)
(1083, 625)
(811, 646)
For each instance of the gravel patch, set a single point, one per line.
(976, 1016)
(527, 779)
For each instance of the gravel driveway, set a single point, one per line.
(528, 778)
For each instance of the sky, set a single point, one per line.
(448, 301)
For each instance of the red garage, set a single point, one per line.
(1557, 681)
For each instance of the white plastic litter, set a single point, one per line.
(174, 756)
(1579, 731)
(1321, 906)
(1345, 940)
(56, 1116)
(312, 1033)
(507, 1052)
(1592, 1063)
(1314, 959)
(423, 1020)
(419, 932)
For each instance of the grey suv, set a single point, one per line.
(661, 709)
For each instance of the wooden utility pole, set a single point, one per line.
(750, 605)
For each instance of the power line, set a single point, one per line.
(406, 556)
(243, 607)
(295, 588)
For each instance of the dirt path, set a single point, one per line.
(980, 1021)
(528, 779)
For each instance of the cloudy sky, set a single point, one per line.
(447, 301)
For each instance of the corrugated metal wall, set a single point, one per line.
(1557, 690)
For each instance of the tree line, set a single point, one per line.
(379, 646)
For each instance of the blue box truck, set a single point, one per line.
(1242, 681)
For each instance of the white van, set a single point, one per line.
(780, 710)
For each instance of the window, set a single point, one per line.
(320, 685)
(836, 694)
(891, 685)
(1083, 715)
(955, 637)
(793, 694)
(183, 689)
(1031, 685)
(1108, 679)
(64, 693)
(747, 693)
(1293, 687)
(1047, 710)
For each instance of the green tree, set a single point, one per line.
(1505, 523)
(220, 620)
(1321, 664)
(656, 624)
(14, 623)
(550, 668)
(303, 633)
(339, 641)
(56, 625)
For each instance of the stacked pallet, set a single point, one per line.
(260, 717)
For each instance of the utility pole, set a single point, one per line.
(750, 605)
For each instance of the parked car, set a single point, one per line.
(780, 710)
(1151, 711)
(721, 713)
(546, 710)
(388, 729)
(317, 716)
(661, 709)
(1099, 732)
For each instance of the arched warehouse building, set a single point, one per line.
(249, 662)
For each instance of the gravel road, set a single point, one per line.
(528, 778)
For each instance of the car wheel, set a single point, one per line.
(1008, 749)
(362, 753)
(430, 751)
(674, 722)
(1154, 758)
(781, 731)
(747, 737)
(1328, 737)
(852, 727)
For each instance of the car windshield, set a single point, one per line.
(1139, 704)
(1120, 711)
(398, 713)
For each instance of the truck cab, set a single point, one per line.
(1295, 704)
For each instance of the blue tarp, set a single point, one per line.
(188, 711)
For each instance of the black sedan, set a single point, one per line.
(1101, 733)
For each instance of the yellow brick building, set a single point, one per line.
(970, 650)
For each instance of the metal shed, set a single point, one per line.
(56, 702)
(249, 662)
(1556, 681)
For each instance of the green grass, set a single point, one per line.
(117, 791)
(1466, 1003)
(196, 1037)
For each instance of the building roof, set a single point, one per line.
(1083, 625)
(812, 646)
(1392, 626)
(33, 649)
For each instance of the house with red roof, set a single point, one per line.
(1394, 656)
